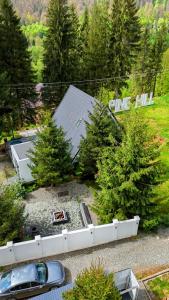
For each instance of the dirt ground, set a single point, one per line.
(6, 168)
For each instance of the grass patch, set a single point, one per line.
(160, 287)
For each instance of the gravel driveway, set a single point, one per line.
(142, 252)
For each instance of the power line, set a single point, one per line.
(23, 86)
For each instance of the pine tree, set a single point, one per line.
(163, 78)
(14, 56)
(128, 175)
(124, 42)
(61, 53)
(4, 90)
(102, 126)
(83, 39)
(143, 69)
(95, 66)
(50, 158)
(12, 213)
(5, 109)
(93, 284)
(149, 62)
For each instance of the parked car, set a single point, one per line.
(30, 280)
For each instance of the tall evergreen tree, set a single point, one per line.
(61, 53)
(14, 56)
(127, 176)
(12, 213)
(95, 66)
(84, 31)
(149, 62)
(51, 161)
(124, 42)
(99, 131)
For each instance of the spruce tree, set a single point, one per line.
(50, 159)
(124, 36)
(83, 40)
(14, 56)
(128, 174)
(149, 62)
(95, 66)
(101, 128)
(12, 213)
(5, 108)
(61, 53)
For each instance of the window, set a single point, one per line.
(34, 284)
(41, 273)
(5, 282)
(20, 287)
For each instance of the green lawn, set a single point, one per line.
(160, 287)
(158, 117)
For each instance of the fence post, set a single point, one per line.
(65, 240)
(11, 251)
(38, 241)
(116, 225)
(136, 224)
(92, 233)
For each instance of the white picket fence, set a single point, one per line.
(92, 236)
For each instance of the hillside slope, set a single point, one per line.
(35, 10)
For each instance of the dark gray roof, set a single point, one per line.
(56, 294)
(71, 115)
(23, 149)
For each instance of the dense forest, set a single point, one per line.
(35, 10)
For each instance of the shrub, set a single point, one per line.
(149, 225)
(94, 284)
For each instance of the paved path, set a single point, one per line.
(138, 254)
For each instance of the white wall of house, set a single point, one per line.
(68, 241)
(21, 166)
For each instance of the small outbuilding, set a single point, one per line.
(21, 161)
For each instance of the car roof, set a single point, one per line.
(23, 274)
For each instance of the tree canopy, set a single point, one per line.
(12, 213)
(127, 175)
(95, 284)
(51, 160)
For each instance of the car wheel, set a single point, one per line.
(53, 288)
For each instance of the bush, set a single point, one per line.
(150, 225)
(93, 284)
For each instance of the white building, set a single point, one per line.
(21, 162)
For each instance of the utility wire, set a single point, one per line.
(81, 82)
(58, 85)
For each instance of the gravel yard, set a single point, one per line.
(144, 251)
(41, 203)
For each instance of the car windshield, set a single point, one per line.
(41, 272)
(5, 282)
